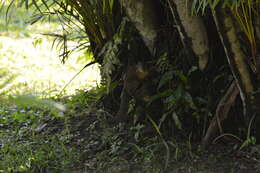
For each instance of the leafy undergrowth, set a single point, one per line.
(84, 139)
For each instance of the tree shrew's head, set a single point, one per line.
(140, 71)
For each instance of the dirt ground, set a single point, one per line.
(110, 148)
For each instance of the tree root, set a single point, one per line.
(221, 114)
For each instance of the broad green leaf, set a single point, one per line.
(182, 77)
(165, 93)
(178, 93)
(168, 76)
(176, 120)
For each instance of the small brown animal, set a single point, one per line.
(134, 78)
(134, 86)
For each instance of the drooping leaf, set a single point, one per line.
(30, 100)
(168, 76)
(165, 93)
(188, 98)
(176, 120)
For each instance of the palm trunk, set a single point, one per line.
(143, 14)
(235, 56)
(193, 30)
(240, 71)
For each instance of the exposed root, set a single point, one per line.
(221, 114)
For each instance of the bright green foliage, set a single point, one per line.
(201, 5)
(38, 155)
(96, 16)
(23, 150)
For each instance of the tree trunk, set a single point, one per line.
(257, 28)
(194, 30)
(235, 56)
(143, 13)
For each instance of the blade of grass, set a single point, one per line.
(163, 141)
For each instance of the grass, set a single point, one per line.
(39, 70)
(29, 55)
(83, 140)
(24, 149)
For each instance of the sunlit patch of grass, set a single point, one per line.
(39, 70)
(28, 55)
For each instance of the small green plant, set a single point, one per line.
(22, 149)
(39, 155)
(250, 140)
